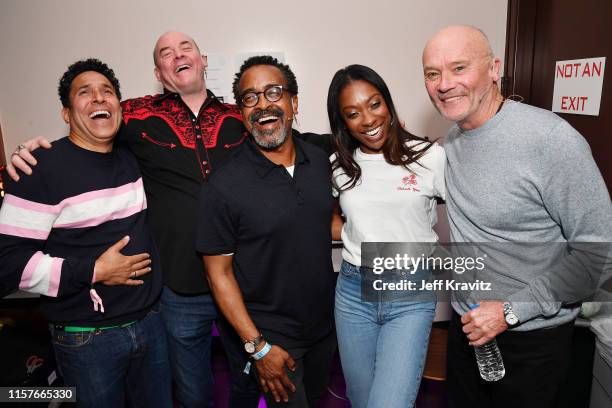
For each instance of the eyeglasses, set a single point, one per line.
(273, 94)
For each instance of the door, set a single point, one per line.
(541, 32)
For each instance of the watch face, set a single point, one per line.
(249, 347)
(511, 319)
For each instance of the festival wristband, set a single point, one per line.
(262, 353)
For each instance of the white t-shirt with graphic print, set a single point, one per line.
(390, 203)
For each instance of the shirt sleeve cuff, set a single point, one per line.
(84, 272)
(525, 309)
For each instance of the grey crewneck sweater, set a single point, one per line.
(525, 176)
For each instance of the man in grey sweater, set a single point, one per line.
(515, 174)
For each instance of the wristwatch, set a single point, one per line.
(509, 315)
(251, 345)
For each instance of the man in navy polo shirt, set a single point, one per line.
(266, 241)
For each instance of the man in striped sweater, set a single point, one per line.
(75, 232)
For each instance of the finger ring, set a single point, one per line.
(134, 275)
(20, 147)
(15, 153)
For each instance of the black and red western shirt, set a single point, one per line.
(177, 151)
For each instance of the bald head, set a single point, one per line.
(179, 65)
(461, 75)
(462, 36)
(167, 37)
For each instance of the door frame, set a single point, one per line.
(520, 29)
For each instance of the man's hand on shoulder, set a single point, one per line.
(484, 323)
(22, 158)
(273, 375)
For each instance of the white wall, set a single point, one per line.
(40, 38)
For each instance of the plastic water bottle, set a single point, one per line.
(489, 360)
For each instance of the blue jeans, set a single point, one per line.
(188, 321)
(382, 344)
(115, 367)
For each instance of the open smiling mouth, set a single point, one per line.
(267, 118)
(451, 99)
(374, 132)
(181, 68)
(100, 114)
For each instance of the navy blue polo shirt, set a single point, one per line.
(278, 228)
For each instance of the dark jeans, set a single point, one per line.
(310, 377)
(311, 374)
(536, 364)
(244, 390)
(188, 321)
(115, 367)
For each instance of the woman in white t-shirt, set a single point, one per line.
(387, 182)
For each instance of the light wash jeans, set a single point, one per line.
(382, 344)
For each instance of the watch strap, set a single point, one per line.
(257, 341)
(251, 345)
(509, 314)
